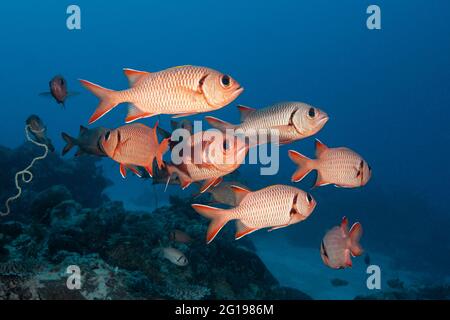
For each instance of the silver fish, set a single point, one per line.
(292, 120)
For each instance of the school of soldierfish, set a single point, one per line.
(187, 90)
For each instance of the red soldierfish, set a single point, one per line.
(58, 90)
(338, 244)
(210, 159)
(339, 166)
(276, 206)
(181, 91)
(134, 145)
(293, 120)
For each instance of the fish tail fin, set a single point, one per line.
(305, 165)
(108, 99)
(70, 142)
(355, 234)
(219, 124)
(218, 217)
(162, 148)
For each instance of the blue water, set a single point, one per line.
(386, 91)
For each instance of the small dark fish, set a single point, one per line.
(88, 142)
(223, 193)
(367, 259)
(339, 282)
(38, 130)
(58, 90)
(179, 236)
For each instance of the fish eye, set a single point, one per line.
(225, 145)
(225, 80)
(107, 135)
(62, 82)
(311, 112)
(370, 168)
(309, 197)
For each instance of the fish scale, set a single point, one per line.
(335, 243)
(270, 206)
(339, 165)
(276, 115)
(204, 173)
(140, 149)
(162, 89)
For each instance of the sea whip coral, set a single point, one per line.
(25, 174)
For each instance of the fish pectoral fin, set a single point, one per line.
(134, 113)
(242, 230)
(210, 183)
(184, 114)
(278, 227)
(134, 76)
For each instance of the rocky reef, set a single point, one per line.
(63, 219)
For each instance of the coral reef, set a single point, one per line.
(81, 176)
(63, 220)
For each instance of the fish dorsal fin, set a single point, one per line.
(320, 148)
(134, 75)
(83, 129)
(245, 112)
(344, 224)
(239, 193)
